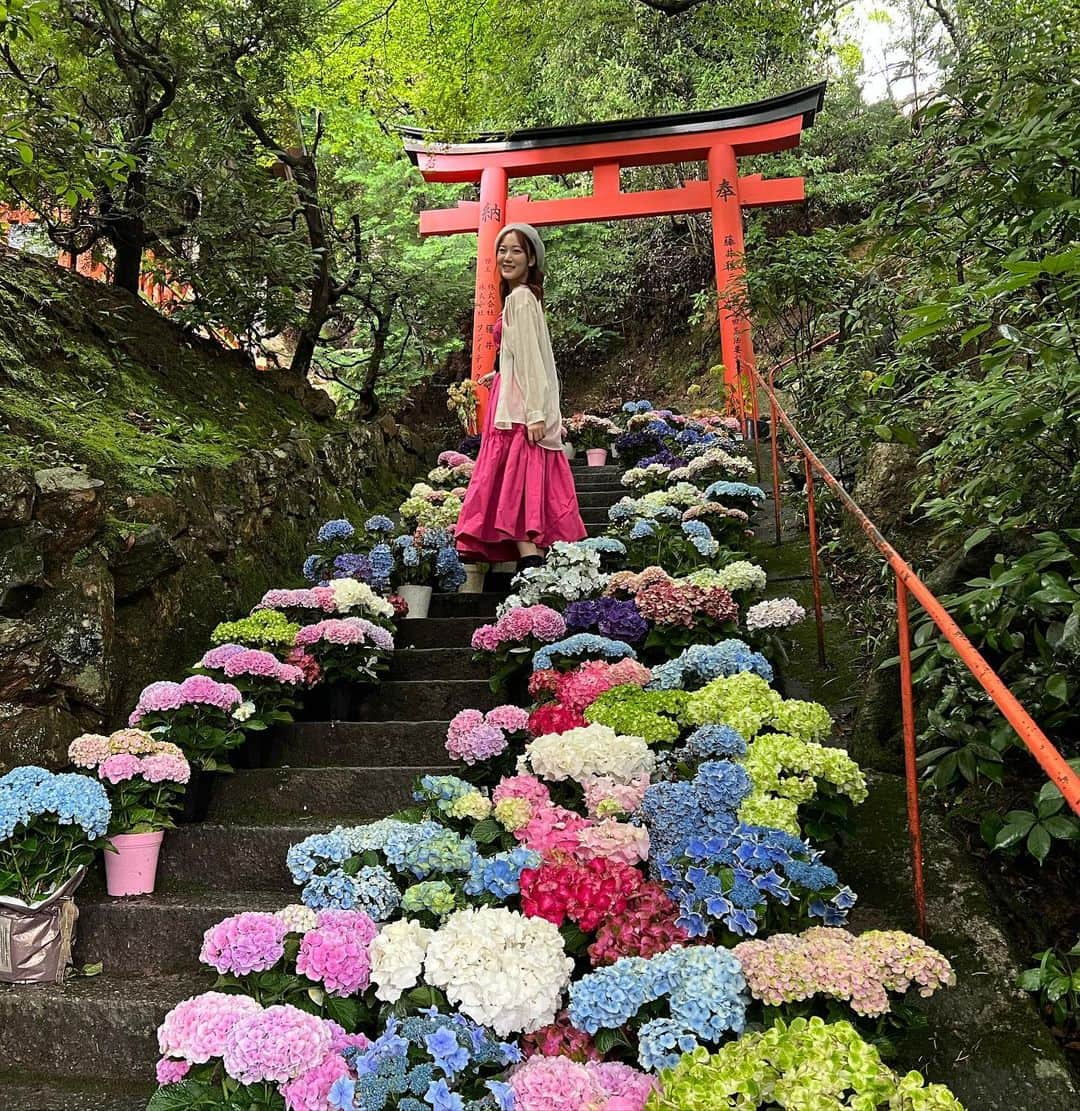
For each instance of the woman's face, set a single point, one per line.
(513, 257)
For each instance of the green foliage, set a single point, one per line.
(1056, 981)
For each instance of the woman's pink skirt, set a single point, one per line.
(518, 491)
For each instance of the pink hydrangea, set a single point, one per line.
(825, 961)
(605, 796)
(617, 841)
(511, 718)
(252, 661)
(277, 1044)
(625, 1087)
(560, 1039)
(340, 1040)
(156, 698)
(517, 624)
(551, 829)
(171, 1071)
(120, 768)
(452, 459)
(335, 953)
(197, 1028)
(88, 750)
(555, 1084)
(581, 687)
(217, 658)
(196, 690)
(522, 787)
(243, 943)
(482, 742)
(345, 631)
(310, 1091)
(165, 767)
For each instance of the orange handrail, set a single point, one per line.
(908, 582)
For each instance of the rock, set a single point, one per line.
(27, 666)
(36, 734)
(70, 507)
(17, 493)
(22, 565)
(883, 489)
(149, 557)
(78, 619)
(157, 509)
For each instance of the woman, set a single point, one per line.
(521, 498)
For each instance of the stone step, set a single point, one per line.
(338, 794)
(609, 470)
(438, 632)
(416, 700)
(596, 528)
(98, 1029)
(412, 664)
(47, 1093)
(594, 514)
(465, 605)
(359, 744)
(158, 935)
(589, 499)
(210, 856)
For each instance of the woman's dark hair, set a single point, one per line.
(534, 279)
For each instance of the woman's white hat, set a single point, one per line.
(532, 235)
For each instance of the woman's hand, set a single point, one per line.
(536, 432)
(486, 380)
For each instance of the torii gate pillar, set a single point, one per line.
(493, 189)
(736, 349)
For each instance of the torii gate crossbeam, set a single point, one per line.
(718, 137)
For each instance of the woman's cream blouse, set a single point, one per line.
(529, 390)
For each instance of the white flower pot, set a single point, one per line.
(569, 450)
(475, 573)
(418, 599)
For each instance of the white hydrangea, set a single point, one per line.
(569, 574)
(397, 957)
(298, 918)
(592, 750)
(774, 613)
(718, 459)
(500, 968)
(349, 594)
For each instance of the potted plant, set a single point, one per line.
(51, 828)
(348, 651)
(423, 560)
(145, 778)
(461, 400)
(475, 574)
(593, 434)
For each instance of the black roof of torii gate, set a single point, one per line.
(805, 102)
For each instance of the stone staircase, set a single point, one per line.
(91, 1042)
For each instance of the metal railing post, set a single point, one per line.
(774, 436)
(911, 770)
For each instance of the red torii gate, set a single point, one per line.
(717, 136)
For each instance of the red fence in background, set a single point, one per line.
(907, 583)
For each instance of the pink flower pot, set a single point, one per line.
(132, 869)
(596, 456)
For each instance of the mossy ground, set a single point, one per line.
(92, 377)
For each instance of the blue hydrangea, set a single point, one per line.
(335, 530)
(305, 857)
(696, 529)
(376, 893)
(583, 646)
(442, 790)
(605, 545)
(703, 987)
(500, 875)
(620, 511)
(642, 530)
(379, 523)
(701, 663)
(352, 565)
(449, 570)
(381, 559)
(662, 1042)
(440, 854)
(335, 890)
(722, 785)
(715, 740)
(723, 489)
(311, 568)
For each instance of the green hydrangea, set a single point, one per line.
(630, 711)
(808, 720)
(809, 1065)
(744, 701)
(267, 629)
(433, 896)
(760, 809)
(791, 768)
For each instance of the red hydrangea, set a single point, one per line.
(554, 718)
(643, 928)
(585, 892)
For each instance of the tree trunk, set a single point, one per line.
(321, 287)
(128, 240)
